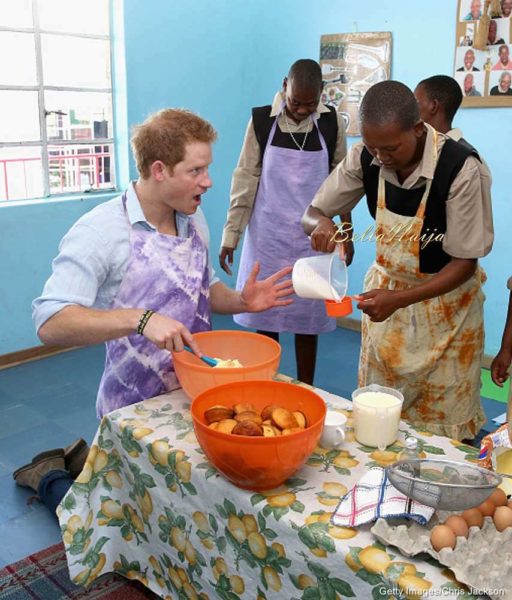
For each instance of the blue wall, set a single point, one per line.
(221, 57)
(30, 235)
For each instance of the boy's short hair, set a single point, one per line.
(445, 90)
(164, 135)
(389, 102)
(306, 74)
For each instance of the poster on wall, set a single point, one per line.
(351, 63)
(483, 65)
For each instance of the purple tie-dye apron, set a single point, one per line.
(169, 275)
(289, 180)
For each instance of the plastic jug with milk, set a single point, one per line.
(323, 277)
(376, 411)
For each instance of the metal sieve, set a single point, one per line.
(443, 484)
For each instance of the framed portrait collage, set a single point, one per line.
(483, 61)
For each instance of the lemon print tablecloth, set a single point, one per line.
(149, 506)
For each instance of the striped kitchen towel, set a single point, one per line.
(373, 497)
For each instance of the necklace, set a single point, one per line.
(301, 148)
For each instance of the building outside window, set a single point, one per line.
(56, 133)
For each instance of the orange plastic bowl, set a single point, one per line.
(258, 354)
(259, 463)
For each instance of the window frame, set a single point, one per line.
(40, 88)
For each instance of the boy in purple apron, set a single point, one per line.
(134, 273)
(288, 151)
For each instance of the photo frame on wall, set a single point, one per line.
(483, 52)
(351, 63)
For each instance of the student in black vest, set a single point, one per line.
(289, 149)
(422, 325)
(439, 98)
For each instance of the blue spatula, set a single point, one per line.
(212, 362)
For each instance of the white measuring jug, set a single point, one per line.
(320, 277)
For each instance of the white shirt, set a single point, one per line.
(93, 256)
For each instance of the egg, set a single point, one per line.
(458, 525)
(473, 517)
(441, 537)
(502, 518)
(498, 497)
(487, 508)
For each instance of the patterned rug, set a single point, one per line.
(44, 576)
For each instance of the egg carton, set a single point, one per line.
(482, 562)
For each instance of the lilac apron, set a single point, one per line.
(169, 275)
(274, 236)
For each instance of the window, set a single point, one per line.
(56, 121)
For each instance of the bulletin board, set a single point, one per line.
(351, 63)
(483, 54)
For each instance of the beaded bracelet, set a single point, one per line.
(143, 321)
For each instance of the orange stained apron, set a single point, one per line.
(431, 351)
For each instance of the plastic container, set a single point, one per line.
(321, 277)
(259, 355)
(259, 463)
(376, 411)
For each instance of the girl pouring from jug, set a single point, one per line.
(422, 325)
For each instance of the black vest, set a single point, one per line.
(327, 123)
(405, 202)
(467, 145)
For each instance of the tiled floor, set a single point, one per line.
(50, 402)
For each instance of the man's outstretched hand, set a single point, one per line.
(267, 293)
